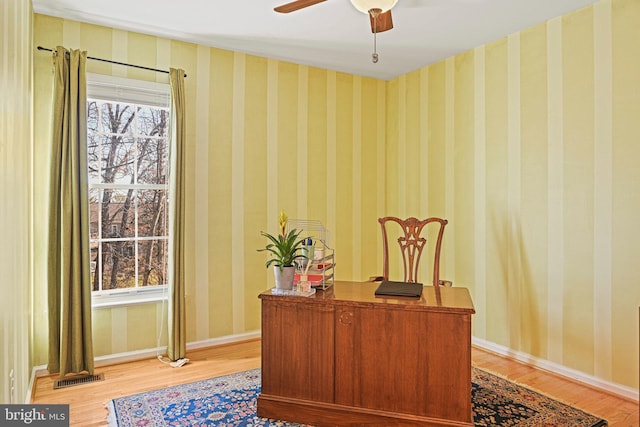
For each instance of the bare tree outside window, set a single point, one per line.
(128, 194)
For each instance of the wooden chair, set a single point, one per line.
(411, 245)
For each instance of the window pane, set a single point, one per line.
(94, 266)
(152, 121)
(118, 213)
(92, 115)
(117, 118)
(93, 156)
(93, 141)
(152, 213)
(94, 207)
(118, 159)
(152, 167)
(119, 263)
(152, 262)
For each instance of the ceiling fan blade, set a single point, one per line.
(382, 22)
(296, 5)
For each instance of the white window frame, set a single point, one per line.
(125, 90)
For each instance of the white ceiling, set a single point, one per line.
(332, 35)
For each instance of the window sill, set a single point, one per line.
(129, 298)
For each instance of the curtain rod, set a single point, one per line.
(116, 62)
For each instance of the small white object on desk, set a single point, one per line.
(303, 284)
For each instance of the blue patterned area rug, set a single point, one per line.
(231, 401)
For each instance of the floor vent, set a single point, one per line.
(77, 380)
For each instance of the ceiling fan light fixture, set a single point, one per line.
(365, 6)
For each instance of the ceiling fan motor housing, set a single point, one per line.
(365, 6)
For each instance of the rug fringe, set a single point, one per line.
(111, 416)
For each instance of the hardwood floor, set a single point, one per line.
(87, 402)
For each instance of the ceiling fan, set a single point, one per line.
(379, 12)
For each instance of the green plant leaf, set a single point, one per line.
(283, 249)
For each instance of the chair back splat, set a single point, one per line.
(411, 246)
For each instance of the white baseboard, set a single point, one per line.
(224, 340)
(131, 356)
(37, 371)
(617, 389)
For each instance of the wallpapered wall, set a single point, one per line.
(532, 146)
(529, 145)
(263, 135)
(15, 184)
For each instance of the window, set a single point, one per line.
(128, 150)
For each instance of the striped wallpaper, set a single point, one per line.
(15, 185)
(532, 146)
(527, 145)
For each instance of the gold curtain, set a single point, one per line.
(69, 284)
(176, 338)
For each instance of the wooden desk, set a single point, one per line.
(345, 357)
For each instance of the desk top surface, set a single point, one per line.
(439, 298)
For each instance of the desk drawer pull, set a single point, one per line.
(346, 317)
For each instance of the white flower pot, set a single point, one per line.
(284, 277)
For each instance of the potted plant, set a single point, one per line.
(283, 249)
